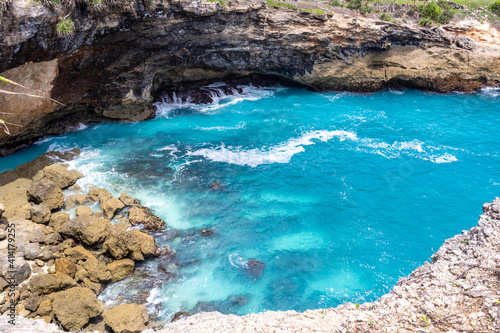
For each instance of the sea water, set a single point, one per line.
(323, 198)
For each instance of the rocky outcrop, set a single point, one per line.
(127, 318)
(117, 64)
(64, 262)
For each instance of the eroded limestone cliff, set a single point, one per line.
(118, 63)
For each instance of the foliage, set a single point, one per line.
(436, 12)
(495, 7)
(275, 3)
(66, 27)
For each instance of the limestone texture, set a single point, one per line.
(181, 45)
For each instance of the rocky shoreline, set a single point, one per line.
(63, 264)
(60, 249)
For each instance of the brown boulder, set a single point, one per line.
(47, 192)
(74, 307)
(134, 244)
(84, 211)
(101, 193)
(143, 215)
(126, 318)
(128, 200)
(86, 229)
(45, 308)
(53, 239)
(13, 197)
(57, 220)
(49, 283)
(120, 269)
(60, 175)
(40, 214)
(96, 270)
(111, 207)
(66, 266)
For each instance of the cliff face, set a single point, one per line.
(117, 63)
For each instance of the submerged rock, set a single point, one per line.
(127, 318)
(255, 267)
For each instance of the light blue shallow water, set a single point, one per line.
(337, 194)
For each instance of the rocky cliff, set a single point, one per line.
(118, 62)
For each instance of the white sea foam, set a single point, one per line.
(240, 125)
(446, 158)
(281, 153)
(490, 92)
(220, 100)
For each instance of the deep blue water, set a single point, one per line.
(338, 194)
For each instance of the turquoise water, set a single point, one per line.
(337, 194)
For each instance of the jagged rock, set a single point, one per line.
(74, 307)
(21, 269)
(111, 207)
(2, 209)
(96, 270)
(13, 197)
(66, 244)
(3, 285)
(127, 318)
(57, 220)
(128, 200)
(53, 238)
(31, 251)
(84, 211)
(33, 302)
(207, 233)
(134, 244)
(40, 214)
(96, 287)
(120, 269)
(46, 192)
(179, 315)
(45, 255)
(65, 266)
(45, 308)
(101, 193)
(78, 253)
(39, 235)
(49, 283)
(465, 42)
(60, 175)
(143, 215)
(86, 229)
(80, 199)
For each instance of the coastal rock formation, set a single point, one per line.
(126, 318)
(60, 268)
(118, 63)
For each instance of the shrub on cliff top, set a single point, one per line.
(495, 7)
